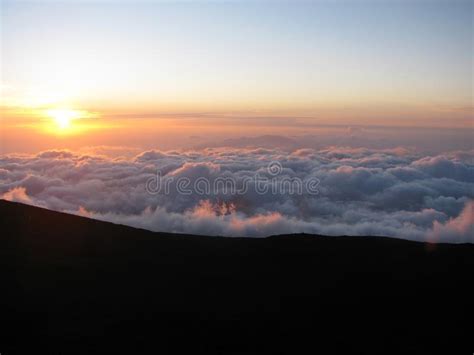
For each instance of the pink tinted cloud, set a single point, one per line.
(390, 192)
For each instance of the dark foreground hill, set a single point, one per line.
(72, 285)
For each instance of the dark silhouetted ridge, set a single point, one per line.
(73, 285)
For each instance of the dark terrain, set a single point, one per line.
(72, 285)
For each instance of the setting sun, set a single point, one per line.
(63, 117)
(63, 121)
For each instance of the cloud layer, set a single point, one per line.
(390, 192)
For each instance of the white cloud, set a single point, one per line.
(392, 192)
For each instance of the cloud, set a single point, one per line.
(459, 229)
(360, 191)
(17, 194)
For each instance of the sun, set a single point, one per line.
(64, 121)
(63, 117)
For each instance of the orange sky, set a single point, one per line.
(80, 72)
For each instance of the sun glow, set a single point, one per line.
(66, 121)
(63, 117)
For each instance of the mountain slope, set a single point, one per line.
(73, 285)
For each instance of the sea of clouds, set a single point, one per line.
(360, 191)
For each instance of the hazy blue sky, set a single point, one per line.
(386, 59)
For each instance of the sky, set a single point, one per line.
(373, 99)
(388, 62)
